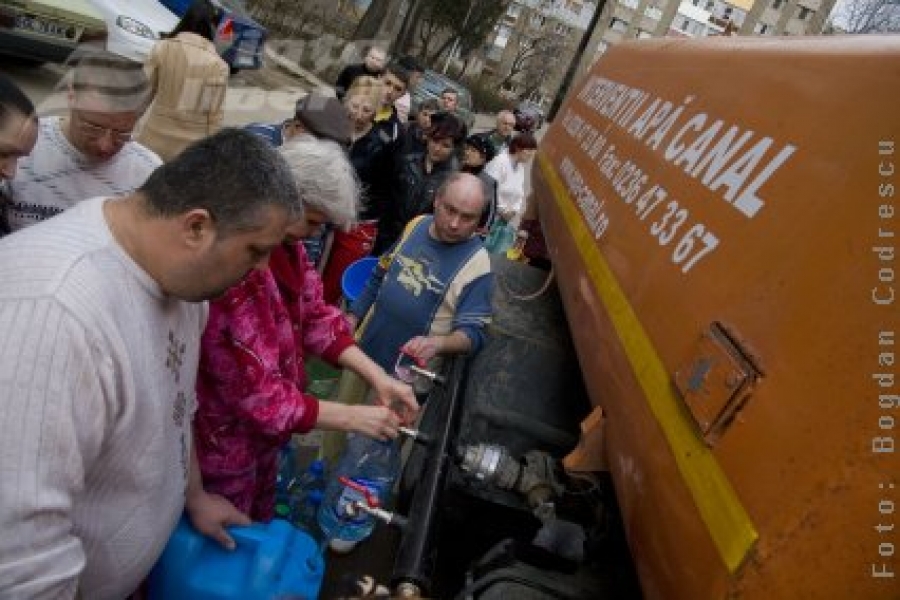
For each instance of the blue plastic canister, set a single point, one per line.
(271, 561)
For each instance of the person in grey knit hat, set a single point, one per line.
(316, 114)
(323, 117)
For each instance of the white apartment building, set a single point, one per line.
(557, 26)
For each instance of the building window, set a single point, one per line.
(710, 4)
(653, 12)
(803, 13)
(776, 4)
(762, 29)
(537, 20)
(632, 4)
(502, 37)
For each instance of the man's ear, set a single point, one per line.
(197, 229)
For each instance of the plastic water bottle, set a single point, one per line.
(306, 497)
(370, 466)
(500, 238)
(284, 481)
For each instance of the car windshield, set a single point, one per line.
(433, 84)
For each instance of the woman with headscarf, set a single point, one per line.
(477, 152)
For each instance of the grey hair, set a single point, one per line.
(325, 179)
(233, 174)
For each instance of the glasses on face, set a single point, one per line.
(96, 132)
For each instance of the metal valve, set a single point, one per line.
(415, 435)
(434, 377)
(385, 516)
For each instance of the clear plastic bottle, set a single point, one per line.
(500, 238)
(306, 497)
(284, 481)
(369, 465)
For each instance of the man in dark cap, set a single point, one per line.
(321, 116)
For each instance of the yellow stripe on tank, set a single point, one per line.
(728, 523)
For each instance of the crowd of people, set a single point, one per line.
(161, 289)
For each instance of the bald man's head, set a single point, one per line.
(457, 208)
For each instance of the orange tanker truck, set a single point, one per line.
(701, 400)
(724, 221)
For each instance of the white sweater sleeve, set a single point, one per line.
(54, 414)
(494, 168)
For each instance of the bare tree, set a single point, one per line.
(443, 23)
(540, 68)
(370, 26)
(304, 18)
(531, 49)
(868, 16)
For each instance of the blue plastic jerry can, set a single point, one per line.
(271, 561)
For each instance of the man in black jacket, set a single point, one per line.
(372, 65)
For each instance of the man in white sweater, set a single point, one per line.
(90, 151)
(101, 314)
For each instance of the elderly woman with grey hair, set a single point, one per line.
(251, 382)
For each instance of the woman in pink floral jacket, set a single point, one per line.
(251, 382)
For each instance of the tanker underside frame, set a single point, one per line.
(490, 512)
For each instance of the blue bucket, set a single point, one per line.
(273, 560)
(354, 279)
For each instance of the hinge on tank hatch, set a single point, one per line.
(717, 381)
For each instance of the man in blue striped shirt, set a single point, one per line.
(431, 294)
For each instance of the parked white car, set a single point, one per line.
(133, 26)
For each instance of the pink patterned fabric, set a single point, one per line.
(251, 380)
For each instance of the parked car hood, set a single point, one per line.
(78, 11)
(149, 12)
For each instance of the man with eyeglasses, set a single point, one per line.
(88, 152)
